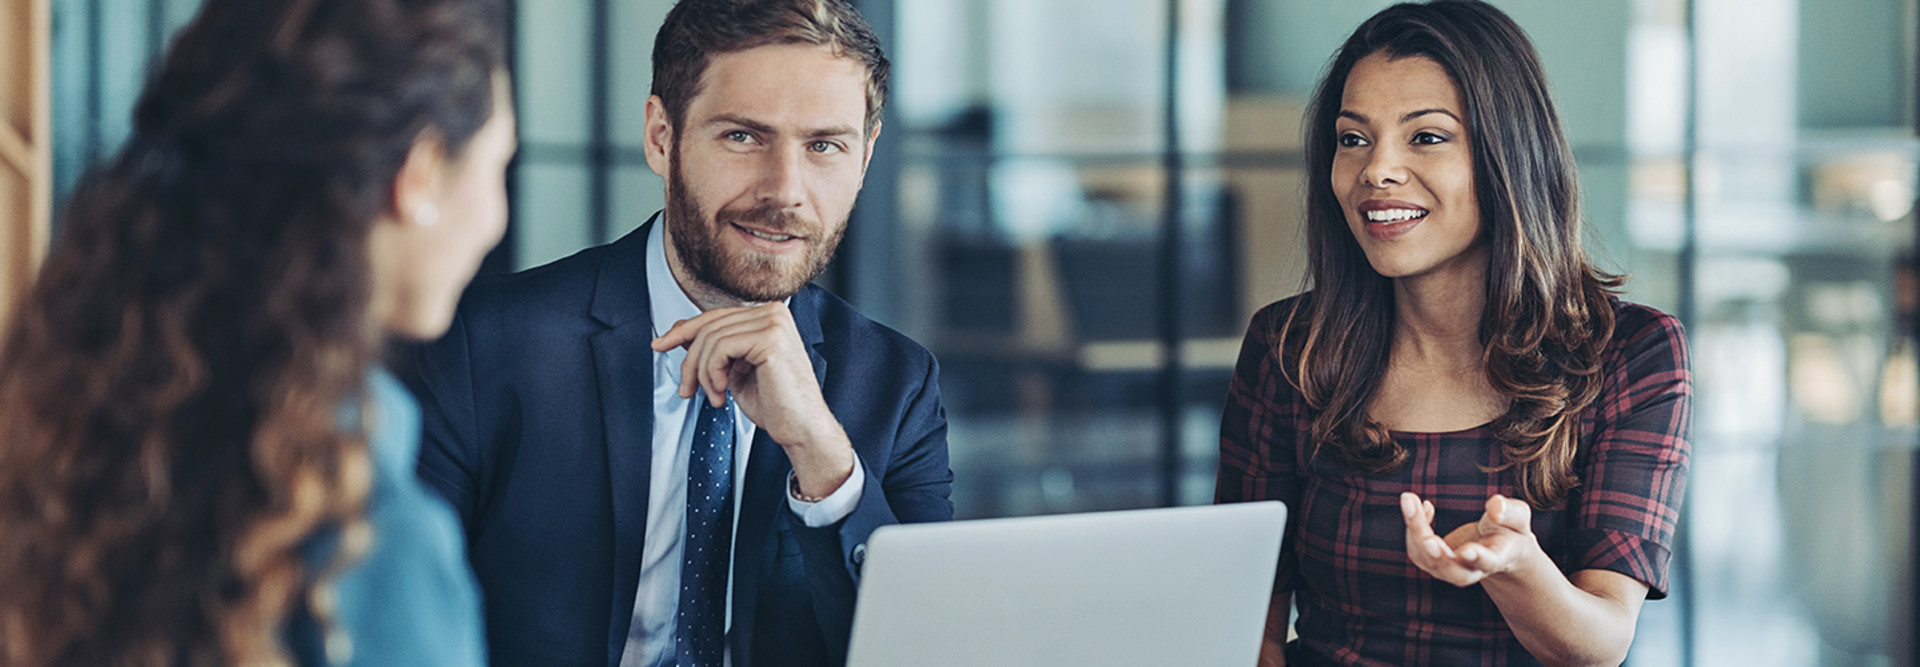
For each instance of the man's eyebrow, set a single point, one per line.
(840, 131)
(730, 119)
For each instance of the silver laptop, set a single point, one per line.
(1182, 586)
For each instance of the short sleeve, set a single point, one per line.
(1259, 430)
(1635, 472)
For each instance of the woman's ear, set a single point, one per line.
(417, 187)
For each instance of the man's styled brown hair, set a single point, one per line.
(697, 30)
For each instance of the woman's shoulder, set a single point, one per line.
(394, 432)
(1639, 329)
(1273, 317)
(411, 597)
(1267, 332)
(1647, 356)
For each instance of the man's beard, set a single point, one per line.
(747, 276)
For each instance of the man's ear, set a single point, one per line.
(872, 138)
(419, 180)
(659, 137)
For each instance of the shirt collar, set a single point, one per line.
(668, 302)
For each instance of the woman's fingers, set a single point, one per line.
(1420, 537)
(1428, 551)
(1472, 551)
(1506, 514)
(1516, 514)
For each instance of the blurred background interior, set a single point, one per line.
(1078, 203)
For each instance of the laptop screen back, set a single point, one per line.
(1182, 586)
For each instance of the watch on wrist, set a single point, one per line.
(793, 488)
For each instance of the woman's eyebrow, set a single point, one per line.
(1416, 114)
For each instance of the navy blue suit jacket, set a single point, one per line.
(539, 427)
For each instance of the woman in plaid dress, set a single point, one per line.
(1483, 448)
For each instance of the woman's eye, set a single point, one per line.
(1350, 140)
(1428, 138)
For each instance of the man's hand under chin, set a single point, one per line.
(756, 353)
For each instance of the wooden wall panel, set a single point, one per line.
(26, 166)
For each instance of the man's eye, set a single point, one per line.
(739, 137)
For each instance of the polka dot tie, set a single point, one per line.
(703, 571)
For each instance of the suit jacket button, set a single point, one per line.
(859, 554)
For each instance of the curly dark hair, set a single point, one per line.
(1549, 313)
(176, 387)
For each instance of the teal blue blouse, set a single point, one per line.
(411, 600)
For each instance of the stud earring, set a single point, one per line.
(426, 215)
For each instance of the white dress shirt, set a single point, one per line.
(650, 639)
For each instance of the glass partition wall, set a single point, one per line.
(1800, 298)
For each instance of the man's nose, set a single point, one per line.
(782, 177)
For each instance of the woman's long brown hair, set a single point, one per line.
(1548, 312)
(177, 388)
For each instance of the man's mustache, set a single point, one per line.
(769, 218)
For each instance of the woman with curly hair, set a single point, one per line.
(201, 461)
(1484, 449)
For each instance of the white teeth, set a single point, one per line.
(769, 237)
(1394, 214)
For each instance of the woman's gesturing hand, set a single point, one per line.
(1493, 545)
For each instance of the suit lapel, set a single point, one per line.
(765, 495)
(767, 468)
(623, 368)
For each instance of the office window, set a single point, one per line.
(101, 53)
(582, 70)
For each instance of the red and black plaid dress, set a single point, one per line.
(1344, 559)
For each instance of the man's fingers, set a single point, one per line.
(708, 340)
(731, 345)
(685, 331)
(676, 336)
(689, 381)
(717, 356)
